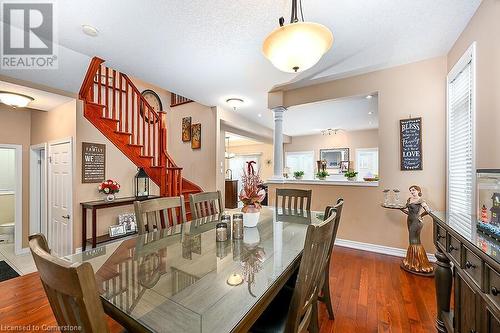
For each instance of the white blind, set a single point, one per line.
(460, 141)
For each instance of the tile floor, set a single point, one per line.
(23, 263)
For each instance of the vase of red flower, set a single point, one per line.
(251, 195)
(110, 188)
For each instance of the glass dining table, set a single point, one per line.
(181, 279)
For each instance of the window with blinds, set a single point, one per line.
(460, 143)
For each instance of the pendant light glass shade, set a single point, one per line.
(298, 46)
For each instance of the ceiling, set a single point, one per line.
(348, 114)
(43, 100)
(211, 50)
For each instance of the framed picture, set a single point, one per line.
(117, 230)
(196, 136)
(186, 129)
(334, 157)
(128, 220)
(344, 166)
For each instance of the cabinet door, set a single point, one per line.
(465, 306)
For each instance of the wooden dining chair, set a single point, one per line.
(205, 204)
(325, 295)
(158, 214)
(71, 290)
(293, 199)
(295, 309)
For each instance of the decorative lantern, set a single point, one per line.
(141, 184)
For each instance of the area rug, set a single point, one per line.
(6, 272)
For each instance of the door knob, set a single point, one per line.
(66, 217)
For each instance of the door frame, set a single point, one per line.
(18, 211)
(49, 181)
(35, 208)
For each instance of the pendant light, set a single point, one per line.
(14, 99)
(297, 46)
(227, 154)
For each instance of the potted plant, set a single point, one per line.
(322, 174)
(351, 175)
(109, 187)
(251, 195)
(298, 175)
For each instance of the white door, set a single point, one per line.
(60, 230)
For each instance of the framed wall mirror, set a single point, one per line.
(334, 157)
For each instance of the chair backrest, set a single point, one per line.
(293, 199)
(337, 209)
(158, 214)
(311, 270)
(205, 204)
(71, 289)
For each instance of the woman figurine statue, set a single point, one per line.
(416, 258)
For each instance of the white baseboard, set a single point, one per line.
(392, 251)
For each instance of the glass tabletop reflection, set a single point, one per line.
(182, 280)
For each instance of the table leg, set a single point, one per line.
(94, 228)
(443, 280)
(84, 228)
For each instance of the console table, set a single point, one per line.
(94, 206)
(470, 261)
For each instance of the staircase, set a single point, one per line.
(114, 105)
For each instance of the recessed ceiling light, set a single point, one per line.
(234, 102)
(369, 97)
(14, 99)
(370, 112)
(90, 30)
(260, 115)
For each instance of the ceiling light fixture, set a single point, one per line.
(227, 154)
(14, 99)
(259, 115)
(370, 112)
(297, 46)
(234, 102)
(330, 131)
(90, 30)
(369, 97)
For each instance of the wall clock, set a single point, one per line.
(154, 101)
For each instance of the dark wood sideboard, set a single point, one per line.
(231, 194)
(468, 261)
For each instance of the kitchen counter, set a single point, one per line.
(336, 182)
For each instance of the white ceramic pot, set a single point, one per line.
(250, 220)
(251, 237)
(110, 197)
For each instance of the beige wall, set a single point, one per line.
(417, 89)
(15, 129)
(58, 123)
(343, 139)
(266, 151)
(484, 29)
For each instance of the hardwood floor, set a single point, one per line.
(370, 293)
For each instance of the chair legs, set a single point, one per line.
(314, 324)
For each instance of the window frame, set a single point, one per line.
(360, 150)
(468, 56)
(311, 152)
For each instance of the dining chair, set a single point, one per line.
(71, 290)
(159, 213)
(296, 309)
(325, 296)
(205, 204)
(293, 199)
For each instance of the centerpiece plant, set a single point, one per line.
(251, 195)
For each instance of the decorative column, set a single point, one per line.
(278, 142)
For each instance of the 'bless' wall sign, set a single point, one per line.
(411, 144)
